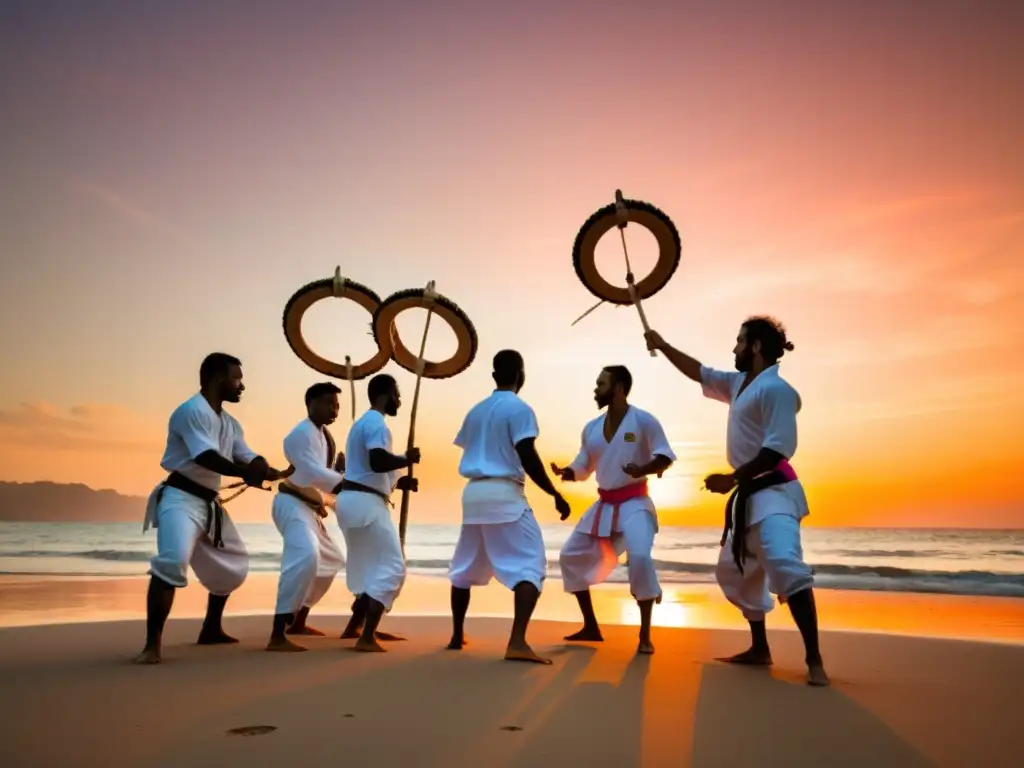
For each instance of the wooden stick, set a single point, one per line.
(622, 213)
(403, 517)
(351, 386)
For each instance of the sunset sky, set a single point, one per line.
(173, 172)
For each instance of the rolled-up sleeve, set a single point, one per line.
(196, 430)
(717, 385)
(657, 440)
(779, 406)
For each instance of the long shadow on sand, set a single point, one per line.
(386, 710)
(745, 717)
(599, 721)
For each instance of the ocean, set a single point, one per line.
(959, 562)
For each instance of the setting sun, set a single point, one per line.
(673, 490)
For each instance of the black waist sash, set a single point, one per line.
(214, 511)
(738, 503)
(349, 485)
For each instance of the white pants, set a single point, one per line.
(774, 565)
(310, 559)
(376, 565)
(181, 541)
(587, 560)
(511, 552)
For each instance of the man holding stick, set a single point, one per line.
(376, 565)
(500, 536)
(761, 549)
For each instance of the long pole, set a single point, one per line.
(622, 213)
(403, 518)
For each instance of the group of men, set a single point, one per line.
(500, 537)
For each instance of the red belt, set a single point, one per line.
(615, 497)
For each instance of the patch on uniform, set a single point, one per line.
(630, 437)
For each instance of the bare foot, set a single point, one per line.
(645, 645)
(524, 653)
(750, 657)
(148, 656)
(387, 637)
(218, 637)
(284, 645)
(304, 630)
(816, 675)
(368, 646)
(586, 635)
(457, 643)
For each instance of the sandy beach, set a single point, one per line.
(72, 697)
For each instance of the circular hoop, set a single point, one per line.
(458, 321)
(309, 295)
(650, 218)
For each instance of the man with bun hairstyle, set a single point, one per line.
(761, 549)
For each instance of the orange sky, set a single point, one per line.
(174, 173)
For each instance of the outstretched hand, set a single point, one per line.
(565, 474)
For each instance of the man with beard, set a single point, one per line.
(310, 559)
(767, 502)
(623, 446)
(376, 565)
(500, 536)
(204, 443)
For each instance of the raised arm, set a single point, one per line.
(686, 365)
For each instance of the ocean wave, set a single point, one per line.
(877, 578)
(117, 555)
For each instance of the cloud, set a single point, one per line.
(126, 208)
(955, 251)
(84, 427)
(887, 210)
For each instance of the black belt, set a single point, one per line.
(738, 503)
(214, 511)
(349, 485)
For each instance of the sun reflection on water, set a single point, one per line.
(675, 610)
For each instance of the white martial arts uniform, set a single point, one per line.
(310, 559)
(592, 550)
(376, 564)
(763, 416)
(181, 518)
(499, 537)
